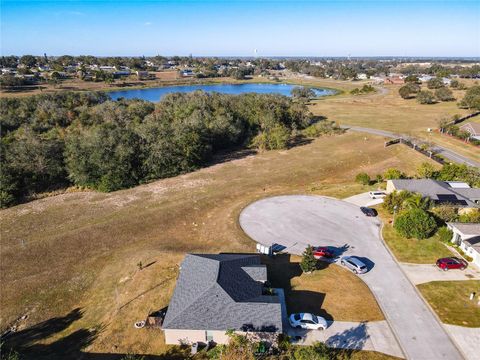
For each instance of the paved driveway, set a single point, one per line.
(295, 221)
(422, 273)
(363, 199)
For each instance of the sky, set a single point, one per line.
(238, 28)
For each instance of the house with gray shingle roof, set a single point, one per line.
(467, 236)
(219, 292)
(455, 193)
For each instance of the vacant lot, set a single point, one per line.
(450, 300)
(332, 291)
(81, 250)
(425, 251)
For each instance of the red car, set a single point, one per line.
(451, 263)
(322, 251)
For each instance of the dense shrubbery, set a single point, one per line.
(87, 140)
(415, 223)
(365, 89)
(323, 127)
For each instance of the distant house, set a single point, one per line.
(143, 75)
(467, 236)
(394, 80)
(456, 193)
(473, 129)
(425, 78)
(187, 73)
(219, 292)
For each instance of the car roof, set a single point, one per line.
(306, 316)
(355, 261)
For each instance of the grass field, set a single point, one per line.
(331, 292)
(425, 251)
(80, 250)
(450, 300)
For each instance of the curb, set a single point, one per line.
(421, 296)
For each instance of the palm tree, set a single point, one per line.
(417, 201)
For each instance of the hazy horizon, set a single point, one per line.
(242, 29)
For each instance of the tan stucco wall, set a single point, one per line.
(390, 187)
(179, 336)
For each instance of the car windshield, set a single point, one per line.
(296, 317)
(314, 319)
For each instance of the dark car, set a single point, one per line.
(322, 251)
(451, 263)
(368, 211)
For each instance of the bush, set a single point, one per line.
(392, 173)
(323, 127)
(408, 90)
(363, 178)
(317, 351)
(275, 138)
(426, 170)
(425, 97)
(415, 223)
(446, 212)
(473, 216)
(435, 83)
(308, 263)
(444, 94)
(445, 234)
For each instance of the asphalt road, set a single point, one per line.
(296, 221)
(449, 154)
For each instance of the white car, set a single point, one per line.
(376, 194)
(307, 321)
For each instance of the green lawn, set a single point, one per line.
(415, 251)
(450, 300)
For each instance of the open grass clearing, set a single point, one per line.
(450, 300)
(80, 250)
(425, 251)
(331, 291)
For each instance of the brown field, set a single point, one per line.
(80, 250)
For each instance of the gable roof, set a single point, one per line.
(465, 229)
(472, 128)
(221, 292)
(440, 191)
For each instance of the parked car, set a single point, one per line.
(354, 264)
(307, 321)
(376, 194)
(322, 251)
(369, 211)
(451, 263)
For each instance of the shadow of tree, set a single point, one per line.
(352, 339)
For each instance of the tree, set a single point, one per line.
(363, 178)
(417, 201)
(445, 234)
(28, 60)
(412, 79)
(446, 212)
(303, 93)
(426, 171)
(408, 90)
(444, 94)
(435, 83)
(392, 174)
(471, 100)
(308, 263)
(415, 223)
(425, 97)
(394, 201)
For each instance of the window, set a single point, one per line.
(208, 335)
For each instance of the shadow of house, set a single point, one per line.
(281, 270)
(352, 339)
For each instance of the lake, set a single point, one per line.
(155, 94)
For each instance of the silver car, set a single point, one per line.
(354, 264)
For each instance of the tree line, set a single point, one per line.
(85, 139)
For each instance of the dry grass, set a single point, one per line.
(331, 292)
(80, 250)
(450, 300)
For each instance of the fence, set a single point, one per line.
(415, 147)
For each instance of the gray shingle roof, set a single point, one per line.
(439, 191)
(221, 292)
(468, 229)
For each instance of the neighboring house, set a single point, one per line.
(219, 292)
(456, 193)
(472, 128)
(187, 73)
(467, 236)
(143, 75)
(394, 80)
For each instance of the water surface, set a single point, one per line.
(155, 94)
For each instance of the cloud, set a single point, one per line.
(148, 23)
